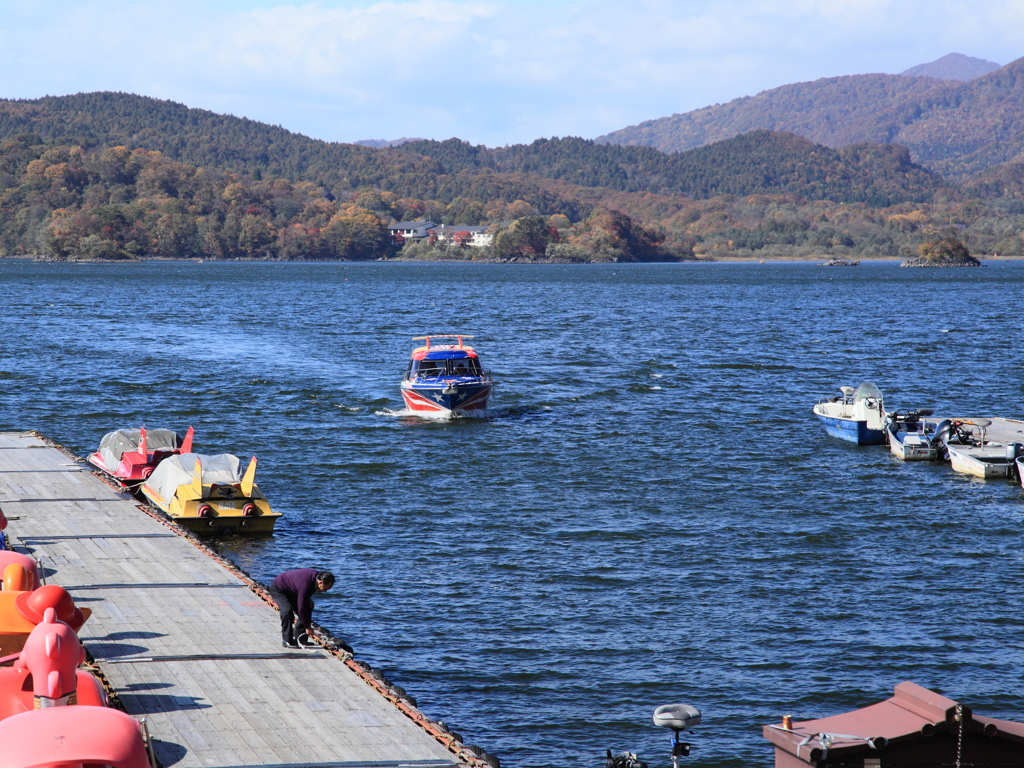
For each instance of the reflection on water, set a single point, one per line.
(649, 513)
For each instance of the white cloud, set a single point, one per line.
(488, 71)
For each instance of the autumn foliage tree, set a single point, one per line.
(67, 202)
(945, 245)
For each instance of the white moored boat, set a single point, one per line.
(970, 453)
(857, 415)
(910, 435)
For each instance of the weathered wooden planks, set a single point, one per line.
(154, 594)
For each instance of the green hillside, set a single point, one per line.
(122, 176)
(955, 129)
(759, 163)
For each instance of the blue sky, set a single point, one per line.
(489, 71)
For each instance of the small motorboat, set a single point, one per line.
(210, 494)
(130, 455)
(970, 453)
(445, 378)
(856, 415)
(909, 434)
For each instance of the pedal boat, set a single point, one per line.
(971, 454)
(910, 435)
(856, 415)
(23, 604)
(54, 714)
(129, 456)
(210, 494)
(445, 379)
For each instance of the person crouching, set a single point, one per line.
(293, 592)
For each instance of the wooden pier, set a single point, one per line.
(185, 642)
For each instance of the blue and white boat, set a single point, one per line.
(445, 379)
(856, 415)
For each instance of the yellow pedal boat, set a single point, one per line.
(210, 494)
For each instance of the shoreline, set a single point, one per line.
(822, 260)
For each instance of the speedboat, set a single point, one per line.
(909, 434)
(210, 494)
(970, 453)
(856, 415)
(130, 455)
(445, 378)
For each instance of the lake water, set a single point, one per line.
(649, 514)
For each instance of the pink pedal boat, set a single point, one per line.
(129, 456)
(54, 715)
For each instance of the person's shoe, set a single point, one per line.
(289, 645)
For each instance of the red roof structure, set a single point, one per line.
(916, 727)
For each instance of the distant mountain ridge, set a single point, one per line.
(761, 162)
(384, 143)
(957, 129)
(758, 162)
(953, 66)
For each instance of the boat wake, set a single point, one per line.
(402, 413)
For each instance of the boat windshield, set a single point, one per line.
(466, 366)
(866, 390)
(463, 366)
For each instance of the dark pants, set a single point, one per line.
(286, 604)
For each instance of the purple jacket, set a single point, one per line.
(301, 585)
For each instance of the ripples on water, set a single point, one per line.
(650, 514)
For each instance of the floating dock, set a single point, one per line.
(999, 431)
(187, 642)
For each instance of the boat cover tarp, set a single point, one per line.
(180, 470)
(115, 444)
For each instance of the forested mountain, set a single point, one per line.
(759, 163)
(124, 176)
(953, 66)
(834, 111)
(955, 129)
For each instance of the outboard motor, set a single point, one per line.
(623, 760)
(943, 433)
